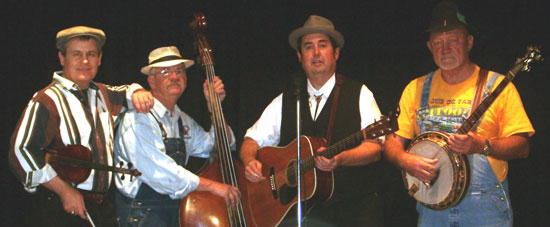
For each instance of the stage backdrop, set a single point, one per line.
(385, 48)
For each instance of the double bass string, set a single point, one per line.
(235, 213)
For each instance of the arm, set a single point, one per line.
(26, 156)
(120, 96)
(230, 194)
(418, 166)
(253, 168)
(139, 141)
(369, 150)
(508, 148)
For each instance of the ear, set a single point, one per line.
(151, 81)
(336, 53)
(470, 42)
(299, 56)
(99, 60)
(61, 58)
(429, 44)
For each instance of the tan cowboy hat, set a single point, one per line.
(316, 24)
(67, 34)
(165, 57)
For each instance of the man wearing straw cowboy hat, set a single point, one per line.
(355, 199)
(73, 109)
(501, 135)
(159, 144)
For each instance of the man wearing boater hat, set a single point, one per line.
(351, 107)
(159, 144)
(441, 101)
(73, 109)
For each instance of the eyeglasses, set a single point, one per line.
(166, 72)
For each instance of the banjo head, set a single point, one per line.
(452, 178)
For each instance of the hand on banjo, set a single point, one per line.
(465, 143)
(420, 167)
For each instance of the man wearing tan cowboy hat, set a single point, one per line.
(73, 109)
(501, 135)
(159, 144)
(349, 104)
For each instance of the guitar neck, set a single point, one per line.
(342, 145)
(474, 117)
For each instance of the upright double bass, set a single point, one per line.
(204, 208)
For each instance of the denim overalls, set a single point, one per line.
(487, 202)
(151, 208)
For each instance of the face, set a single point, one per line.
(81, 61)
(318, 56)
(450, 49)
(168, 82)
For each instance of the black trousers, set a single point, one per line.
(47, 210)
(364, 210)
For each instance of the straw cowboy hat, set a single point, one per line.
(316, 24)
(165, 57)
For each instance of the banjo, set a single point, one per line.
(453, 177)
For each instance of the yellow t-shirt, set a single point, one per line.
(505, 117)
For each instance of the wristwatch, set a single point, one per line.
(487, 149)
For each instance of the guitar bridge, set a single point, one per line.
(273, 183)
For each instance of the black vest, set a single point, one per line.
(348, 180)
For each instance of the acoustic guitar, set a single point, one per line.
(272, 199)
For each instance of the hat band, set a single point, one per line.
(165, 58)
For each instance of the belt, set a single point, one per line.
(96, 197)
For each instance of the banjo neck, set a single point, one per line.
(522, 64)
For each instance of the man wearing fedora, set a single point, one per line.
(501, 135)
(348, 104)
(73, 109)
(159, 144)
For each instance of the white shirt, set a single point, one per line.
(267, 130)
(139, 141)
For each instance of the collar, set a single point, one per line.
(325, 90)
(161, 110)
(68, 84)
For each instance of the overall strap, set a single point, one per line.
(339, 81)
(164, 134)
(426, 90)
(481, 79)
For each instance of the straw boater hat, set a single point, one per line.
(165, 57)
(445, 17)
(65, 35)
(316, 24)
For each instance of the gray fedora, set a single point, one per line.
(316, 24)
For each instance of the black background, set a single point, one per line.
(385, 48)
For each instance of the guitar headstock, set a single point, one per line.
(384, 126)
(533, 54)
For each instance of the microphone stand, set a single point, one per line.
(298, 159)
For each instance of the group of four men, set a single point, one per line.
(157, 138)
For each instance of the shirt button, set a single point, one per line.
(498, 185)
(502, 198)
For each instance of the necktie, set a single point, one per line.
(318, 100)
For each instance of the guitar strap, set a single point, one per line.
(339, 82)
(481, 79)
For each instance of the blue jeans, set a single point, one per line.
(149, 208)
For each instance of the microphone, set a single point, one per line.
(298, 79)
